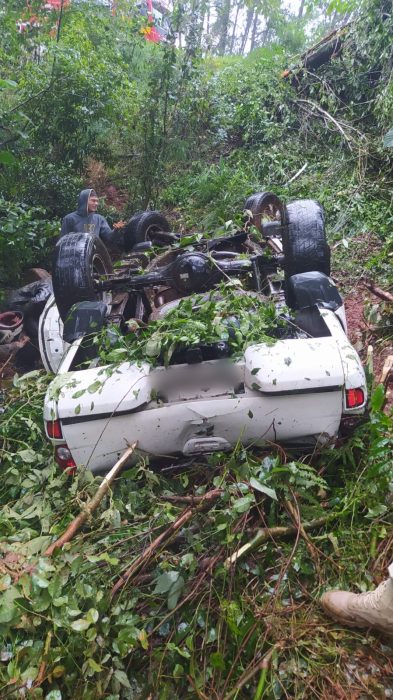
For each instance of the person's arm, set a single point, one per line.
(112, 238)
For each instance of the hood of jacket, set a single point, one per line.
(82, 202)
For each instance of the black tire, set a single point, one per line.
(266, 206)
(304, 241)
(144, 226)
(79, 258)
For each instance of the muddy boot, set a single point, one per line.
(374, 609)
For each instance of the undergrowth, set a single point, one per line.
(189, 624)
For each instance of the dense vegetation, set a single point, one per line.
(194, 130)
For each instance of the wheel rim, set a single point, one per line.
(267, 208)
(151, 232)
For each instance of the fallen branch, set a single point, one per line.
(192, 500)
(42, 670)
(299, 526)
(144, 558)
(329, 117)
(385, 296)
(387, 371)
(262, 665)
(92, 505)
(268, 533)
(299, 172)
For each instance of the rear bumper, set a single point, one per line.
(196, 427)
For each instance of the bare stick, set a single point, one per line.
(387, 371)
(330, 118)
(299, 172)
(267, 533)
(385, 296)
(92, 505)
(145, 557)
(263, 664)
(192, 500)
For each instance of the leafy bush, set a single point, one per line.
(26, 238)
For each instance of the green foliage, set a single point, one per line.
(227, 314)
(185, 621)
(26, 238)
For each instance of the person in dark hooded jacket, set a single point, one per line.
(86, 220)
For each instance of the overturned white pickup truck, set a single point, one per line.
(294, 387)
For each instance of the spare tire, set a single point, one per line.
(266, 206)
(79, 259)
(144, 226)
(304, 241)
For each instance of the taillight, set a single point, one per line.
(354, 398)
(64, 459)
(53, 429)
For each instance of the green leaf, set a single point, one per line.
(153, 347)
(122, 678)
(262, 488)
(77, 409)
(388, 139)
(94, 387)
(7, 83)
(53, 695)
(40, 581)
(174, 593)
(378, 398)
(92, 615)
(143, 639)
(80, 625)
(6, 158)
(94, 665)
(217, 660)
(242, 505)
(78, 393)
(165, 581)
(28, 456)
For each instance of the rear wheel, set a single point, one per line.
(304, 241)
(268, 212)
(145, 226)
(80, 259)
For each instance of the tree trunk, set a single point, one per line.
(234, 28)
(250, 14)
(301, 9)
(254, 31)
(223, 23)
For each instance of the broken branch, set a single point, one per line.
(151, 550)
(385, 296)
(267, 533)
(193, 500)
(262, 665)
(91, 505)
(387, 371)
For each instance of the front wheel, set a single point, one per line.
(79, 260)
